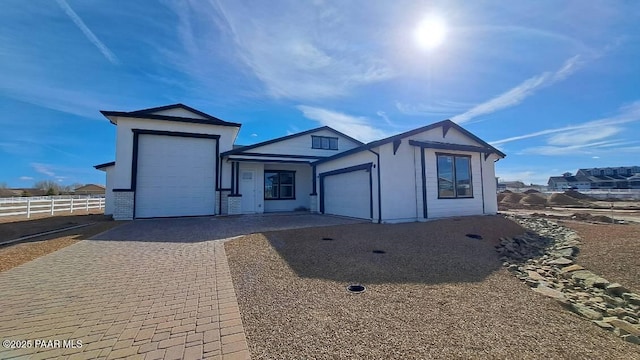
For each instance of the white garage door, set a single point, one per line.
(176, 176)
(348, 194)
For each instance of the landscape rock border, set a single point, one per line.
(544, 258)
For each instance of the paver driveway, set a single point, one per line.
(148, 289)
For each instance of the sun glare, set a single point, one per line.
(431, 32)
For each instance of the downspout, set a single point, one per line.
(218, 176)
(379, 191)
(482, 183)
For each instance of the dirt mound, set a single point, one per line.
(533, 199)
(512, 198)
(589, 217)
(562, 199)
(532, 191)
(501, 196)
(578, 195)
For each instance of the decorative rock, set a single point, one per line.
(631, 298)
(543, 259)
(619, 312)
(571, 268)
(566, 252)
(586, 312)
(531, 282)
(535, 276)
(597, 282)
(625, 326)
(603, 324)
(613, 300)
(582, 275)
(547, 291)
(561, 261)
(632, 339)
(616, 289)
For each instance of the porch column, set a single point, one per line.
(313, 197)
(234, 200)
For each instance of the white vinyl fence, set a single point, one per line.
(43, 205)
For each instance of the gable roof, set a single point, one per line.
(149, 114)
(249, 147)
(445, 124)
(90, 187)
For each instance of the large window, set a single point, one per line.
(454, 176)
(279, 185)
(324, 142)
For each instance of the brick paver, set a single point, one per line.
(124, 299)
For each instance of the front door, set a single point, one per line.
(248, 191)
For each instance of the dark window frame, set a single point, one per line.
(454, 173)
(279, 172)
(330, 141)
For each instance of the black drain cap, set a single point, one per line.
(356, 288)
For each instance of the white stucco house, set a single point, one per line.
(177, 161)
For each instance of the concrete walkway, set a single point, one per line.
(150, 289)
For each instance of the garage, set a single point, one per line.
(347, 192)
(176, 175)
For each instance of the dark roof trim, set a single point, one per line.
(249, 147)
(148, 114)
(105, 165)
(310, 157)
(448, 146)
(445, 123)
(293, 161)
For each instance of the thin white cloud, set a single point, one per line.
(517, 94)
(43, 169)
(436, 108)
(583, 136)
(26, 178)
(304, 54)
(627, 114)
(356, 127)
(386, 119)
(578, 149)
(87, 32)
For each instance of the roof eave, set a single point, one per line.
(101, 167)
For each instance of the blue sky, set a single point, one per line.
(555, 85)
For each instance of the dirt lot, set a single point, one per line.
(612, 251)
(435, 293)
(567, 204)
(17, 254)
(15, 227)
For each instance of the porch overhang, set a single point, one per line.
(272, 158)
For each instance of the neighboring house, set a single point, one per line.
(177, 161)
(627, 177)
(18, 192)
(89, 189)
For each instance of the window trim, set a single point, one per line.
(455, 187)
(329, 138)
(264, 184)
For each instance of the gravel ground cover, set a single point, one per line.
(612, 251)
(435, 293)
(20, 253)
